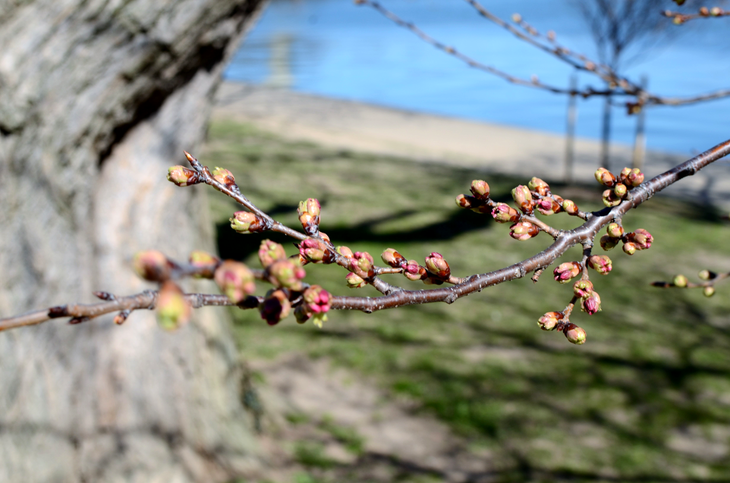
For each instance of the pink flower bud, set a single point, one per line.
(480, 189)
(317, 299)
(275, 306)
(309, 212)
(315, 251)
(224, 177)
(522, 196)
(523, 230)
(269, 252)
(547, 206)
(413, 271)
(438, 267)
(614, 230)
(570, 207)
(629, 248)
(345, 252)
(591, 304)
(245, 222)
(635, 178)
(172, 308)
(605, 177)
(550, 320)
(182, 176)
(582, 288)
(362, 265)
(600, 263)
(235, 280)
(354, 281)
(566, 271)
(503, 213)
(610, 199)
(641, 238)
(574, 334)
(608, 243)
(286, 274)
(392, 258)
(538, 185)
(152, 265)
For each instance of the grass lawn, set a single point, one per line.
(647, 398)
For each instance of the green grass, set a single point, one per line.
(647, 398)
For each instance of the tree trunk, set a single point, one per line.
(97, 99)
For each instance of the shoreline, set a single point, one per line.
(356, 126)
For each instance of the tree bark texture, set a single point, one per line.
(97, 99)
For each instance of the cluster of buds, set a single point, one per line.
(235, 280)
(619, 186)
(632, 242)
(315, 305)
(309, 212)
(556, 320)
(286, 273)
(314, 250)
(479, 200)
(590, 301)
(708, 287)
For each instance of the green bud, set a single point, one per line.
(680, 281)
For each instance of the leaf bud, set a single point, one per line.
(550, 320)
(286, 273)
(591, 303)
(235, 280)
(680, 281)
(608, 243)
(392, 258)
(172, 308)
(152, 265)
(413, 271)
(522, 196)
(275, 306)
(523, 230)
(269, 252)
(566, 271)
(224, 177)
(614, 230)
(362, 265)
(708, 291)
(182, 176)
(503, 213)
(582, 288)
(605, 177)
(600, 263)
(437, 266)
(480, 189)
(570, 207)
(354, 281)
(309, 212)
(574, 334)
(245, 222)
(540, 186)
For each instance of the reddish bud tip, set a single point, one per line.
(269, 252)
(540, 186)
(235, 280)
(275, 306)
(309, 212)
(523, 230)
(550, 320)
(570, 207)
(172, 308)
(523, 198)
(591, 303)
(574, 334)
(503, 213)
(152, 265)
(437, 266)
(480, 189)
(605, 177)
(224, 177)
(600, 263)
(392, 258)
(566, 271)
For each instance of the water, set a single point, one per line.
(337, 49)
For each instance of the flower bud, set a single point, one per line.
(354, 281)
(574, 334)
(315, 251)
(245, 222)
(224, 177)
(708, 291)
(392, 258)
(269, 252)
(582, 288)
(715, 11)
(466, 202)
(547, 206)
(608, 243)
(480, 189)
(641, 238)
(566, 271)
(629, 248)
(550, 320)
(570, 207)
(680, 281)
(538, 185)
(522, 196)
(275, 306)
(286, 274)
(591, 303)
(523, 230)
(235, 280)
(152, 265)
(600, 263)
(605, 177)
(706, 275)
(620, 190)
(614, 230)
(631, 177)
(316, 299)
(182, 176)
(345, 252)
(199, 258)
(436, 264)
(610, 199)
(309, 211)
(413, 271)
(172, 308)
(362, 264)
(503, 213)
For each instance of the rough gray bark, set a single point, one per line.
(97, 99)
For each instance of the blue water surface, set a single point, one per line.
(335, 48)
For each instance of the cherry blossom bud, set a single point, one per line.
(275, 306)
(605, 177)
(315, 251)
(309, 211)
(574, 334)
(523, 230)
(345, 252)
(223, 176)
(631, 177)
(550, 320)
(680, 281)
(641, 238)
(582, 288)
(245, 222)
(610, 199)
(591, 304)
(436, 264)
(467, 202)
(480, 189)
(152, 265)
(620, 190)
(708, 291)
(715, 11)
(522, 196)
(235, 280)
(600, 263)
(503, 213)
(566, 271)
(540, 186)
(354, 281)
(392, 258)
(614, 230)
(677, 20)
(547, 206)
(570, 207)
(269, 252)
(199, 258)
(172, 308)
(704, 11)
(317, 303)
(182, 176)
(286, 273)
(608, 243)
(629, 248)
(362, 264)
(706, 275)
(413, 271)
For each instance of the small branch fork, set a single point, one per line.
(621, 86)
(394, 296)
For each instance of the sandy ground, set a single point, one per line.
(374, 129)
